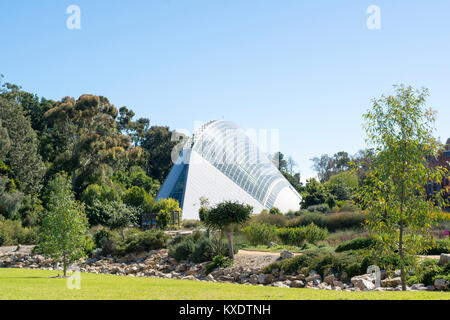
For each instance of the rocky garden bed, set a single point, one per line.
(248, 269)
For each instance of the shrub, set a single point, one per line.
(355, 244)
(323, 208)
(441, 246)
(183, 250)
(307, 218)
(191, 224)
(428, 271)
(219, 261)
(203, 251)
(291, 236)
(347, 206)
(2, 238)
(321, 260)
(144, 241)
(271, 219)
(344, 220)
(333, 221)
(275, 210)
(336, 238)
(260, 233)
(198, 247)
(12, 233)
(297, 236)
(314, 234)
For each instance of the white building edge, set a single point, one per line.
(220, 162)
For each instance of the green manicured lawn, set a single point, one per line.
(38, 284)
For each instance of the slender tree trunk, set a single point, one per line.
(123, 234)
(400, 249)
(230, 241)
(65, 265)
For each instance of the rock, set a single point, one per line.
(418, 286)
(362, 283)
(338, 284)
(324, 286)
(300, 276)
(209, 277)
(329, 279)
(444, 259)
(313, 276)
(253, 279)
(265, 278)
(391, 282)
(297, 284)
(286, 255)
(279, 284)
(441, 284)
(226, 278)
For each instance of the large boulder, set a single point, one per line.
(265, 278)
(313, 277)
(441, 284)
(329, 279)
(363, 282)
(391, 282)
(444, 259)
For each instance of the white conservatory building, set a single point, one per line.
(220, 162)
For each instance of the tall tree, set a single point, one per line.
(158, 145)
(94, 145)
(400, 128)
(22, 157)
(324, 166)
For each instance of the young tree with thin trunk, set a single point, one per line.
(400, 212)
(224, 217)
(65, 226)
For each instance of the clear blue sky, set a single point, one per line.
(307, 68)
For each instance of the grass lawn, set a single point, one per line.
(22, 284)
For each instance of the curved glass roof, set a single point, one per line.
(230, 150)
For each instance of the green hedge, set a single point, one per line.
(260, 233)
(332, 222)
(12, 233)
(441, 246)
(298, 236)
(355, 244)
(143, 241)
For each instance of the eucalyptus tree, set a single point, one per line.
(400, 212)
(94, 145)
